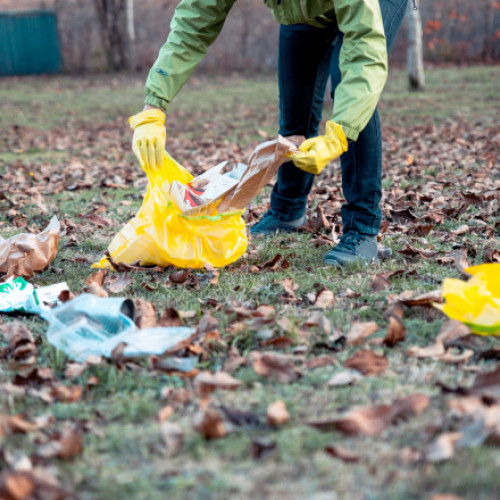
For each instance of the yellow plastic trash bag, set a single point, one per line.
(475, 302)
(161, 235)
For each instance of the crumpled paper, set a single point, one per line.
(26, 253)
(475, 302)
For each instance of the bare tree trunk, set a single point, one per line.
(415, 58)
(113, 25)
(132, 58)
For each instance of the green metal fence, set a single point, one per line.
(29, 43)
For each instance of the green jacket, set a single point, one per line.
(363, 56)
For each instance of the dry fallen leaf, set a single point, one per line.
(372, 420)
(67, 394)
(360, 331)
(273, 365)
(118, 284)
(324, 299)
(95, 283)
(277, 414)
(367, 362)
(65, 445)
(346, 456)
(395, 333)
(207, 382)
(209, 423)
(145, 314)
(443, 447)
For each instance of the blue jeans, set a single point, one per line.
(307, 57)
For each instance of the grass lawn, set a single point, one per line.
(65, 150)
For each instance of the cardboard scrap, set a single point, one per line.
(25, 253)
(228, 187)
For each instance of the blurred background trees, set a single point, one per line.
(95, 35)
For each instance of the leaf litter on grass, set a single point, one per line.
(427, 217)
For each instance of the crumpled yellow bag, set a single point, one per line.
(475, 302)
(161, 235)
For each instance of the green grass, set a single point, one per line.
(123, 452)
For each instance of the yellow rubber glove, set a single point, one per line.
(150, 137)
(314, 154)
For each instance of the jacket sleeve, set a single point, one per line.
(363, 64)
(195, 25)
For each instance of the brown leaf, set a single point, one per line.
(367, 362)
(290, 288)
(120, 283)
(487, 384)
(346, 456)
(380, 282)
(67, 394)
(75, 370)
(319, 320)
(372, 420)
(145, 314)
(17, 485)
(209, 423)
(98, 278)
(395, 333)
(95, 289)
(277, 262)
(207, 382)
(360, 331)
(324, 299)
(180, 276)
(170, 317)
(452, 330)
(165, 413)
(320, 361)
(434, 351)
(66, 296)
(443, 447)
(65, 445)
(277, 414)
(424, 300)
(234, 360)
(491, 254)
(273, 365)
(461, 262)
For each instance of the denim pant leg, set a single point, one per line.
(362, 163)
(304, 59)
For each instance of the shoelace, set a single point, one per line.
(350, 240)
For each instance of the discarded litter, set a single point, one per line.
(25, 253)
(17, 295)
(90, 325)
(475, 302)
(193, 222)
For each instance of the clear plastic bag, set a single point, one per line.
(90, 325)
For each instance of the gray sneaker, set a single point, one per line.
(352, 248)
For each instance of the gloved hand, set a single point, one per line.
(314, 154)
(150, 137)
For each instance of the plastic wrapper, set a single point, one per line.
(475, 302)
(17, 295)
(94, 326)
(188, 222)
